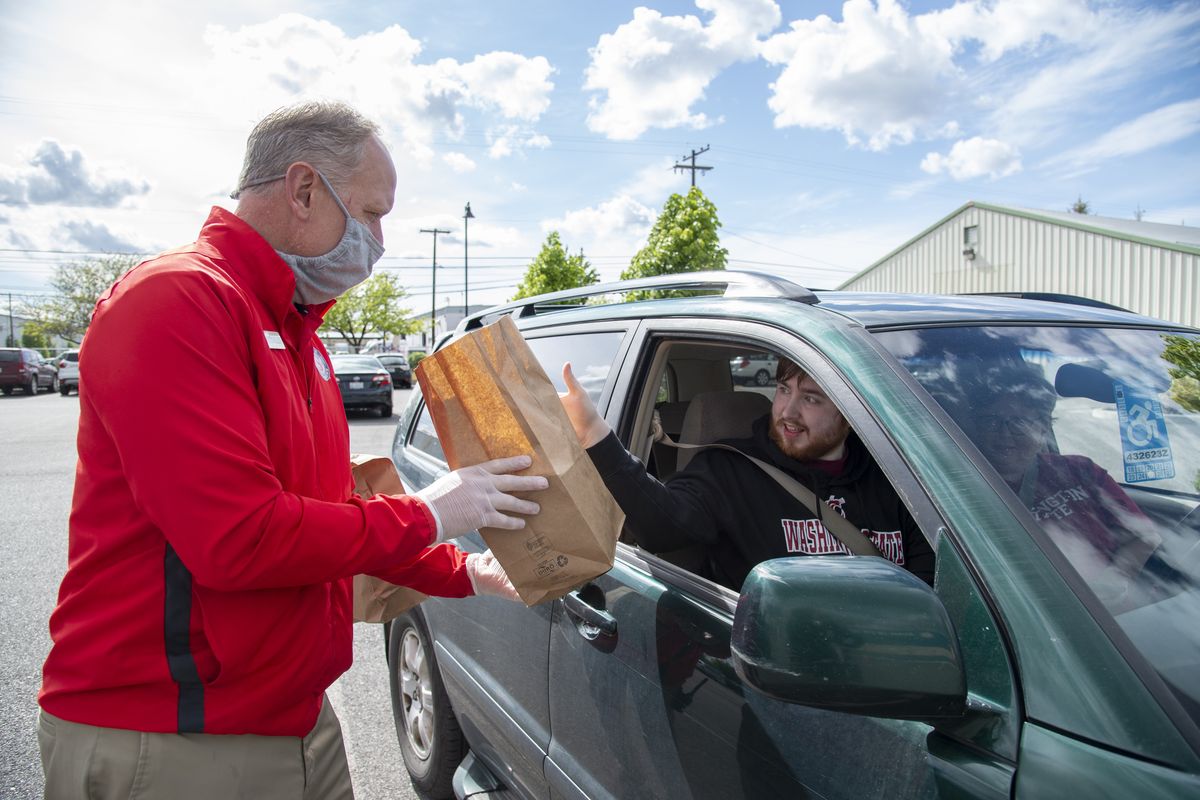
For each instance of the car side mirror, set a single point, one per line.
(853, 634)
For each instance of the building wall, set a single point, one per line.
(1016, 253)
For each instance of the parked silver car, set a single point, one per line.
(67, 363)
(753, 368)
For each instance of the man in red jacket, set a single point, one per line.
(214, 533)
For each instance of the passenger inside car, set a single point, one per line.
(724, 502)
(1085, 512)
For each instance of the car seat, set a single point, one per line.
(712, 417)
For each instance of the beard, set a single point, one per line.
(815, 444)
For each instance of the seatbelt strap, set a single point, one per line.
(850, 536)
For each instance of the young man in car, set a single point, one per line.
(214, 534)
(724, 501)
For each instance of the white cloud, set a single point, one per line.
(54, 175)
(653, 183)
(1121, 48)
(508, 139)
(518, 86)
(619, 224)
(294, 56)
(1157, 128)
(975, 157)
(654, 68)
(1001, 26)
(877, 74)
(459, 162)
(882, 77)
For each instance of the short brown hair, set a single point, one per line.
(787, 369)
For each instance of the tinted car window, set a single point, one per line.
(1097, 432)
(342, 363)
(9, 356)
(424, 436)
(591, 356)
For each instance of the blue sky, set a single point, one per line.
(837, 131)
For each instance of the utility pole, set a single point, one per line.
(693, 166)
(12, 335)
(433, 294)
(467, 215)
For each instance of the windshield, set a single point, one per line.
(1097, 431)
(343, 363)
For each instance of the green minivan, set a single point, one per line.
(1048, 451)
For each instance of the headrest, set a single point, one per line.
(713, 416)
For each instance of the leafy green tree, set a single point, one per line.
(1184, 353)
(34, 339)
(1080, 206)
(684, 239)
(77, 286)
(555, 269)
(371, 307)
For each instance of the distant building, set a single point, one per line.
(1147, 267)
(447, 318)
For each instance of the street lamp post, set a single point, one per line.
(467, 215)
(433, 291)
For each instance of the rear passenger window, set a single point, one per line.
(591, 356)
(425, 438)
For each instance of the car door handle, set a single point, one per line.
(591, 621)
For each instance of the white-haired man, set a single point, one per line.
(213, 533)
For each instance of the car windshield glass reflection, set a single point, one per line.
(344, 363)
(1097, 431)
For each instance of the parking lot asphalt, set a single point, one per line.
(37, 469)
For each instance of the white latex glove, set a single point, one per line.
(477, 497)
(488, 577)
(589, 426)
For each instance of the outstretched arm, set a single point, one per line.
(659, 516)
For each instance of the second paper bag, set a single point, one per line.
(490, 398)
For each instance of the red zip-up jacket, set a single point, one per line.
(213, 530)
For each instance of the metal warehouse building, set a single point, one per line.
(1146, 267)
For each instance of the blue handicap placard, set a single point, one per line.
(1145, 448)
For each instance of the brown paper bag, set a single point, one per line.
(376, 600)
(489, 398)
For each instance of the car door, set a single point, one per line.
(494, 653)
(645, 701)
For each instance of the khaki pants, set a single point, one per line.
(84, 761)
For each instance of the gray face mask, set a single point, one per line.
(320, 279)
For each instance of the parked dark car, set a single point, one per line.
(364, 382)
(25, 369)
(397, 366)
(1038, 664)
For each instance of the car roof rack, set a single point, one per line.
(735, 283)
(1053, 297)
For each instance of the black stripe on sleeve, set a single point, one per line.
(177, 613)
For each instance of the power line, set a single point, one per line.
(694, 169)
